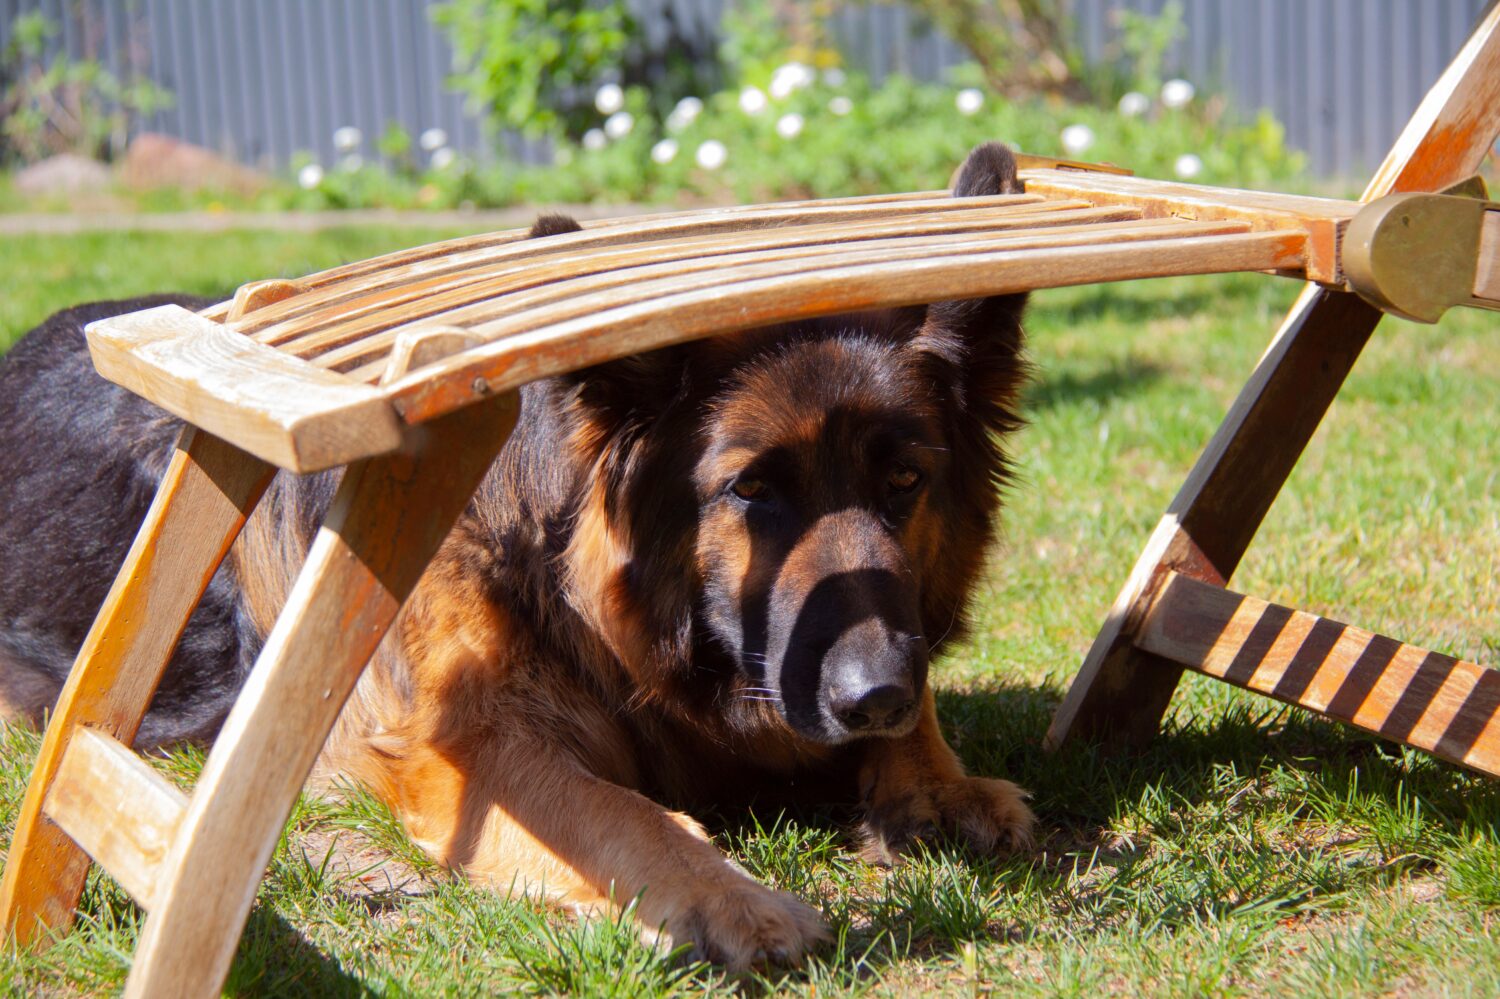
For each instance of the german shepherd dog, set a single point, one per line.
(702, 577)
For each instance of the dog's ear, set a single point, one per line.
(616, 391)
(972, 347)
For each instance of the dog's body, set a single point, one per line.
(708, 575)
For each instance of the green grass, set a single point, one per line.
(1252, 850)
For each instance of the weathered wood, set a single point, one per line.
(1445, 706)
(271, 404)
(209, 489)
(387, 272)
(1121, 692)
(258, 294)
(372, 304)
(544, 300)
(776, 292)
(1323, 219)
(387, 520)
(120, 811)
(1487, 274)
(414, 348)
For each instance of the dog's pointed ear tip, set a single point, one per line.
(553, 224)
(990, 168)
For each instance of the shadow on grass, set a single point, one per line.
(1354, 793)
(1053, 389)
(1103, 301)
(275, 959)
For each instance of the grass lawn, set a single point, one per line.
(1252, 850)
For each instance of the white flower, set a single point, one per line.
(841, 105)
(790, 77)
(752, 100)
(712, 154)
(1134, 104)
(688, 109)
(594, 139)
(834, 77)
(310, 176)
(347, 138)
(664, 151)
(1187, 166)
(442, 158)
(351, 163)
(1177, 93)
(969, 101)
(433, 138)
(619, 124)
(609, 98)
(789, 126)
(1077, 138)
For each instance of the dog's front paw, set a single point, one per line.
(744, 924)
(986, 815)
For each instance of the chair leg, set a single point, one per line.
(387, 521)
(1121, 692)
(209, 490)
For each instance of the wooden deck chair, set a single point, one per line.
(405, 369)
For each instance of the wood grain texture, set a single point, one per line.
(388, 272)
(1487, 273)
(544, 300)
(463, 244)
(387, 519)
(365, 306)
(415, 348)
(1323, 219)
(1437, 703)
(266, 402)
(209, 489)
(1121, 692)
(522, 351)
(120, 811)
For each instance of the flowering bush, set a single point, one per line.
(805, 133)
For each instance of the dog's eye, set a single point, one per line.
(904, 480)
(751, 490)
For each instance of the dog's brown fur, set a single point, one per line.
(674, 571)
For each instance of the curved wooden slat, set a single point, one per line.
(564, 298)
(522, 352)
(579, 253)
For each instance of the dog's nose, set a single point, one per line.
(876, 708)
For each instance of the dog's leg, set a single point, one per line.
(915, 786)
(515, 810)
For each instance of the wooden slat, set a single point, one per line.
(207, 493)
(461, 244)
(676, 226)
(1487, 275)
(273, 405)
(120, 811)
(1324, 219)
(1120, 692)
(368, 303)
(390, 515)
(523, 352)
(1446, 706)
(474, 309)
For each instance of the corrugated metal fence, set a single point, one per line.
(264, 79)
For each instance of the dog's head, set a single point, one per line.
(801, 512)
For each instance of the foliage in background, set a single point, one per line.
(1023, 47)
(792, 123)
(531, 63)
(52, 104)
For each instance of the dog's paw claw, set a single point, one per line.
(986, 815)
(747, 926)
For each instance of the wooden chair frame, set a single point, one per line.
(405, 369)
